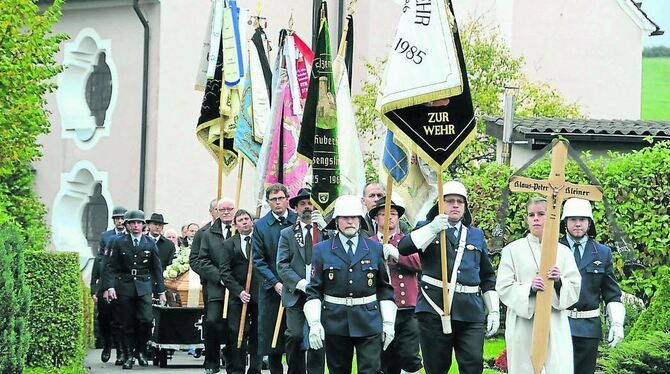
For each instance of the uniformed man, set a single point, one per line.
(294, 258)
(349, 297)
(210, 257)
(264, 246)
(594, 261)
(471, 278)
(234, 271)
(403, 353)
(166, 249)
(106, 309)
(131, 269)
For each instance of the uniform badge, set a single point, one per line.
(331, 275)
(470, 247)
(365, 262)
(370, 275)
(370, 282)
(145, 261)
(597, 263)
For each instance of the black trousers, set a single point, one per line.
(216, 332)
(466, 339)
(585, 354)
(295, 352)
(340, 351)
(105, 316)
(403, 353)
(135, 317)
(238, 359)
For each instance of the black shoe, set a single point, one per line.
(211, 371)
(129, 362)
(120, 358)
(142, 359)
(106, 353)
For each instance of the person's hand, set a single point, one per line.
(161, 298)
(391, 250)
(278, 287)
(615, 335)
(537, 284)
(439, 223)
(388, 332)
(316, 335)
(95, 298)
(317, 219)
(245, 296)
(554, 273)
(111, 294)
(492, 323)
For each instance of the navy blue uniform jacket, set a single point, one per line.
(334, 273)
(475, 270)
(598, 283)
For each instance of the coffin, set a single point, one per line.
(178, 290)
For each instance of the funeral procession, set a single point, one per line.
(335, 186)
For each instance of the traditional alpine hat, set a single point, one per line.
(381, 204)
(303, 193)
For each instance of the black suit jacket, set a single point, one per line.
(124, 258)
(195, 251)
(210, 258)
(234, 268)
(166, 251)
(291, 264)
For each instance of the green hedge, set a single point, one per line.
(657, 316)
(14, 301)
(89, 315)
(635, 183)
(650, 355)
(55, 320)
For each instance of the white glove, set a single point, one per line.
(617, 314)
(492, 303)
(391, 250)
(388, 309)
(317, 334)
(317, 218)
(423, 236)
(302, 284)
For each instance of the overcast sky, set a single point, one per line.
(659, 12)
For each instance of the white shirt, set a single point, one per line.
(344, 239)
(582, 244)
(285, 215)
(243, 244)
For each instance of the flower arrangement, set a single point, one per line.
(501, 361)
(179, 266)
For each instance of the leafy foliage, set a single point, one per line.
(650, 354)
(14, 301)
(56, 319)
(27, 66)
(657, 316)
(656, 51)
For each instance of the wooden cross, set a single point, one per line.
(555, 189)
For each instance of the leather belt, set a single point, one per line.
(580, 314)
(349, 301)
(460, 288)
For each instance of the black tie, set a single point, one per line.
(247, 247)
(451, 235)
(578, 255)
(351, 248)
(308, 245)
(229, 232)
(281, 220)
(136, 242)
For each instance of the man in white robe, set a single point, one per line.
(517, 285)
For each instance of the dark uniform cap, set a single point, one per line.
(119, 211)
(381, 205)
(134, 215)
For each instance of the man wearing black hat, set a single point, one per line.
(131, 269)
(294, 258)
(403, 353)
(166, 249)
(105, 309)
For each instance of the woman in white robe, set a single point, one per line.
(517, 284)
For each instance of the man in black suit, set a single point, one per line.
(294, 256)
(131, 269)
(234, 270)
(166, 249)
(210, 257)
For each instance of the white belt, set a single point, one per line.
(460, 288)
(349, 301)
(579, 314)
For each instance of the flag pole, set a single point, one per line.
(238, 191)
(243, 318)
(387, 207)
(220, 162)
(443, 249)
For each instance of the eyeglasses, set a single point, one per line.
(277, 199)
(226, 209)
(455, 201)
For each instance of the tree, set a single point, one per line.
(27, 67)
(490, 68)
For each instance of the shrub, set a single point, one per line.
(55, 321)
(14, 301)
(650, 355)
(657, 316)
(89, 314)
